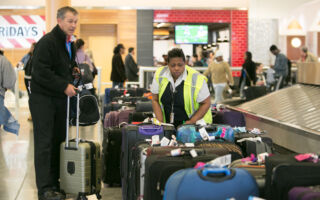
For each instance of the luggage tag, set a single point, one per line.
(171, 117)
(262, 157)
(176, 152)
(189, 144)
(221, 161)
(203, 133)
(120, 101)
(193, 153)
(164, 142)
(212, 138)
(155, 140)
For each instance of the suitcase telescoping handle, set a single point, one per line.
(77, 121)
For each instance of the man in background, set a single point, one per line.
(307, 56)
(131, 66)
(7, 81)
(280, 66)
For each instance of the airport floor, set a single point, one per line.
(17, 175)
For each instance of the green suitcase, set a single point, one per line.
(80, 164)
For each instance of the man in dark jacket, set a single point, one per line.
(53, 63)
(280, 66)
(131, 66)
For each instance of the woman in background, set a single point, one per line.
(118, 75)
(248, 73)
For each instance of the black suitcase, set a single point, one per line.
(129, 99)
(284, 172)
(144, 106)
(111, 151)
(132, 134)
(158, 170)
(254, 92)
(139, 116)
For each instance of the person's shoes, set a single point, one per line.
(52, 195)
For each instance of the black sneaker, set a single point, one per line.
(52, 195)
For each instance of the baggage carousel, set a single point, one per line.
(290, 116)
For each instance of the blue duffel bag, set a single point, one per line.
(210, 183)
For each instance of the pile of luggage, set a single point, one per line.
(218, 161)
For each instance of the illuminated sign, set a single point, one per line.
(20, 31)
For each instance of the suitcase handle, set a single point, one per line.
(224, 171)
(77, 121)
(150, 130)
(214, 174)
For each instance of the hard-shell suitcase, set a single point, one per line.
(80, 164)
(132, 134)
(210, 183)
(111, 151)
(305, 193)
(284, 172)
(255, 146)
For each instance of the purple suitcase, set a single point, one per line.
(304, 193)
(132, 134)
(229, 117)
(111, 119)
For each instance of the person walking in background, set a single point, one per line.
(7, 81)
(280, 66)
(131, 66)
(81, 56)
(307, 56)
(248, 73)
(53, 63)
(27, 71)
(118, 75)
(195, 61)
(220, 76)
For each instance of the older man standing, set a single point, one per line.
(53, 63)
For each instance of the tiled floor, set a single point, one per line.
(17, 176)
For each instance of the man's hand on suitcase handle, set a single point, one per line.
(70, 90)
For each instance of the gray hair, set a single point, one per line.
(62, 11)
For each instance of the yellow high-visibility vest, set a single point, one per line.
(192, 86)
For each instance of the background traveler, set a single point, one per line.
(248, 73)
(118, 75)
(131, 66)
(280, 66)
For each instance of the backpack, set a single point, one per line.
(28, 68)
(86, 74)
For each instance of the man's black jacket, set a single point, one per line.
(51, 64)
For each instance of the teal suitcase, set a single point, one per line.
(80, 164)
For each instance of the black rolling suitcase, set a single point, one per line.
(111, 151)
(159, 169)
(284, 172)
(139, 116)
(254, 92)
(132, 134)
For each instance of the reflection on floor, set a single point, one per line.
(17, 176)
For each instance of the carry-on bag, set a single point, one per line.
(305, 193)
(132, 134)
(80, 163)
(255, 145)
(254, 92)
(284, 172)
(111, 151)
(229, 117)
(189, 133)
(210, 183)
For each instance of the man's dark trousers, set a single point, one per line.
(49, 125)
